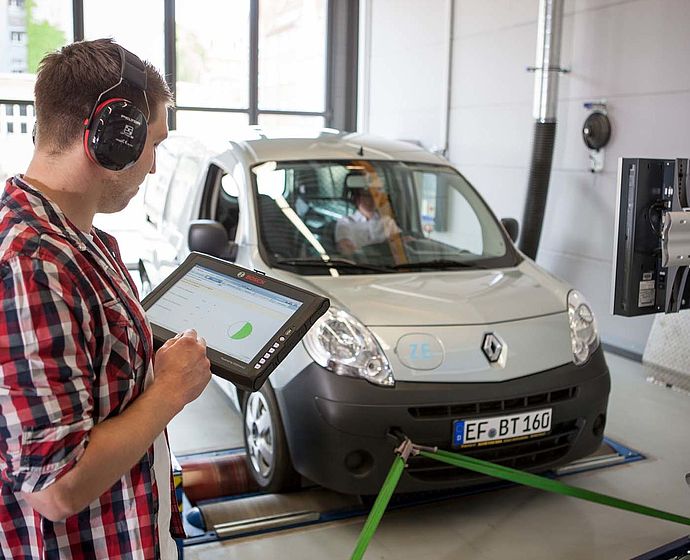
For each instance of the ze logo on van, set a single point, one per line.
(492, 347)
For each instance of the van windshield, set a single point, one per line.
(366, 217)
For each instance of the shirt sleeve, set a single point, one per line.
(343, 230)
(46, 374)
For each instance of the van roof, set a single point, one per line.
(262, 145)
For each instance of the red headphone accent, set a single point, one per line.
(87, 125)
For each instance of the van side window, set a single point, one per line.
(156, 189)
(182, 186)
(228, 208)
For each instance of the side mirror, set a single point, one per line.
(145, 282)
(210, 237)
(512, 228)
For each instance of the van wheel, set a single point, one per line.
(265, 443)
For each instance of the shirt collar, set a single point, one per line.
(42, 213)
(357, 216)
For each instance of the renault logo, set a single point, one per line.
(493, 348)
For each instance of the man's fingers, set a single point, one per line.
(189, 333)
(202, 341)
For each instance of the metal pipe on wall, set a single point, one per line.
(546, 71)
(448, 78)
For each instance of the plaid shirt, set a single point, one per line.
(75, 348)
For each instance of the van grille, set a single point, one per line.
(505, 405)
(525, 455)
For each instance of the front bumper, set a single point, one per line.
(337, 427)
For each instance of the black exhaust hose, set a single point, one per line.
(537, 187)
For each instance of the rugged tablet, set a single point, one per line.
(250, 321)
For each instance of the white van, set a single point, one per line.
(440, 329)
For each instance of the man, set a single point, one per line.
(84, 462)
(366, 226)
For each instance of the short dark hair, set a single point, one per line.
(69, 82)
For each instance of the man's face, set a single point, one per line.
(123, 185)
(365, 199)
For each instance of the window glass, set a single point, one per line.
(210, 124)
(28, 30)
(136, 25)
(292, 54)
(228, 208)
(212, 53)
(375, 214)
(229, 186)
(156, 185)
(183, 182)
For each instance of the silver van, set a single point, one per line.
(439, 330)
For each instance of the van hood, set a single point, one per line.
(467, 297)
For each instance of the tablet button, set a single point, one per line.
(262, 361)
(267, 355)
(276, 345)
(282, 339)
(271, 350)
(257, 366)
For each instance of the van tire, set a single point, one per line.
(263, 430)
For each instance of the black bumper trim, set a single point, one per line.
(331, 421)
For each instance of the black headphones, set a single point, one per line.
(115, 132)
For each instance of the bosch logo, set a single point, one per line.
(241, 274)
(255, 279)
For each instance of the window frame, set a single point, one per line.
(340, 112)
(342, 30)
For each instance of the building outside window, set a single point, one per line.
(214, 66)
(28, 30)
(254, 62)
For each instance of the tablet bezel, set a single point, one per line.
(247, 376)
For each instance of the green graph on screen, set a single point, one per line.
(240, 330)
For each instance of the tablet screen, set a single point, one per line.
(236, 318)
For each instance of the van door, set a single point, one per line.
(221, 201)
(180, 202)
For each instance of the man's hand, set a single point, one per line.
(346, 247)
(182, 368)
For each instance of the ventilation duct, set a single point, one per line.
(546, 72)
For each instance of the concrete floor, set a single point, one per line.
(515, 523)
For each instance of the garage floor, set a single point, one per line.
(511, 523)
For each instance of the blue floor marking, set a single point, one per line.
(198, 535)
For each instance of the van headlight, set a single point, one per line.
(343, 345)
(584, 335)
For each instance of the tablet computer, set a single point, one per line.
(250, 322)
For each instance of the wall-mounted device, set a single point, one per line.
(652, 244)
(596, 133)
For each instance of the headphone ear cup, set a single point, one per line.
(116, 134)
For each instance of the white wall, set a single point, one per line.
(634, 53)
(407, 67)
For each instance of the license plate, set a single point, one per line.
(499, 429)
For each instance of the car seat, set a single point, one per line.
(279, 235)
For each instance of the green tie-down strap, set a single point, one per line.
(548, 484)
(380, 505)
(495, 471)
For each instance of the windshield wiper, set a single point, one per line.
(333, 263)
(438, 264)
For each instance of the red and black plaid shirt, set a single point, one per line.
(75, 348)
